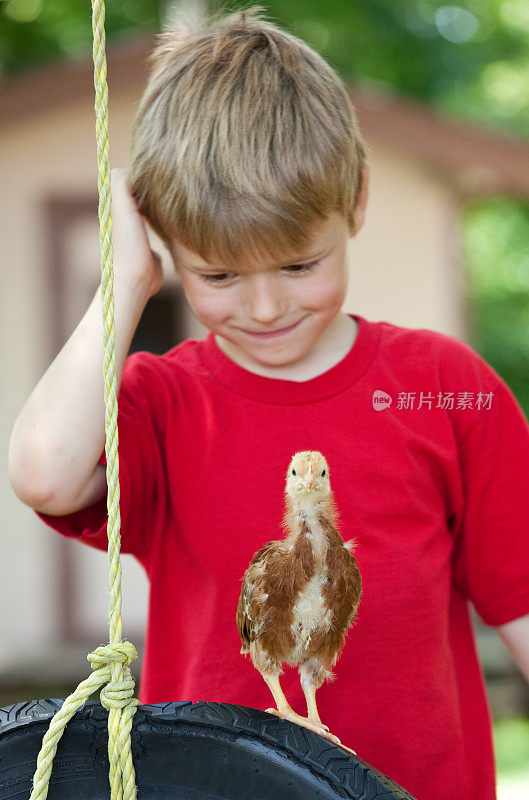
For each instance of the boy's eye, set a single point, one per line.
(293, 269)
(302, 267)
(220, 278)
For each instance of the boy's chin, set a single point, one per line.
(267, 356)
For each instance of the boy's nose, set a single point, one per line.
(265, 301)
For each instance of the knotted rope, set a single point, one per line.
(110, 662)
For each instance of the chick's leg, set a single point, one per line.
(282, 706)
(309, 691)
(270, 669)
(312, 677)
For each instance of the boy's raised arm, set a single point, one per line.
(59, 435)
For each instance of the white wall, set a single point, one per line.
(404, 261)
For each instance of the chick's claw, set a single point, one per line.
(332, 737)
(348, 749)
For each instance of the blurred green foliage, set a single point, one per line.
(495, 241)
(35, 32)
(511, 744)
(471, 59)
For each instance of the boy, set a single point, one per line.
(248, 163)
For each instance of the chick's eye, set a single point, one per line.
(293, 472)
(323, 474)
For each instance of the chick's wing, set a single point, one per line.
(250, 612)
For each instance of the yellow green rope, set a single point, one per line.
(111, 662)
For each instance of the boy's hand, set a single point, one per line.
(135, 263)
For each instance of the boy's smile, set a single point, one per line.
(280, 320)
(274, 333)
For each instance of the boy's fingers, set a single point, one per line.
(119, 186)
(134, 256)
(123, 203)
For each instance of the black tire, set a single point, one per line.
(188, 751)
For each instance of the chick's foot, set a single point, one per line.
(320, 728)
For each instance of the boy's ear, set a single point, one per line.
(361, 206)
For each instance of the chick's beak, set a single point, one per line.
(308, 483)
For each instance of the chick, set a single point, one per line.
(301, 594)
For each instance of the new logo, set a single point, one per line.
(381, 400)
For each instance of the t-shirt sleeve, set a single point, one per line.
(491, 555)
(140, 468)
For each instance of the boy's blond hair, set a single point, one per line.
(244, 141)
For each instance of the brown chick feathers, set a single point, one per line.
(301, 594)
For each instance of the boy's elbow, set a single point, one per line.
(48, 487)
(30, 482)
(42, 501)
(30, 488)
(41, 496)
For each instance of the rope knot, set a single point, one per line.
(116, 694)
(120, 693)
(118, 652)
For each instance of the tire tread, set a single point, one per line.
(350, 775)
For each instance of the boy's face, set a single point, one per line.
(250, 306)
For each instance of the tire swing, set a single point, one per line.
(181, 750)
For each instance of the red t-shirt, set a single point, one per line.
(432, 485)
